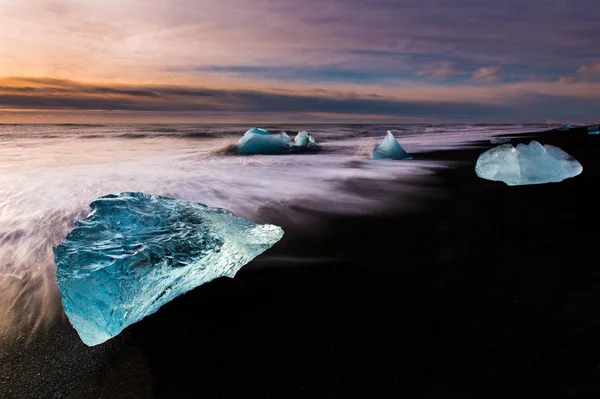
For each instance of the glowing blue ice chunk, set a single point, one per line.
(258, 130)
(593, 130)
(527, 164)
(260, 141)
(499, 140)
(306, 141)
(135, 252)
(564, 127)
(301, 139)
(389, 149)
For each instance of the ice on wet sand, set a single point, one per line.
(527, 164)
(390, 149)
(135, 252)
(260, 141)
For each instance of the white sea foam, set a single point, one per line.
(49, 175)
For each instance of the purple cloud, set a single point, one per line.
(386, 46)
(519, 103)
(445, 69)
(487, 74)
(590, 71)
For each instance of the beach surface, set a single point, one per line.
(458, 287)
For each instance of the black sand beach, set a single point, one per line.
(486, 291)
(490, 292)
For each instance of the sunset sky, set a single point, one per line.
(297, 61)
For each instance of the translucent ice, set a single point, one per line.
(135, 252)
(259, 131)
(565, 127)
(260, 141)
(499, 140)
(301, 139)
(527, 164)
(593, 130)
(305, 141)
(389, 149)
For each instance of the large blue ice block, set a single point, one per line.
(531, 163)
(135, 252)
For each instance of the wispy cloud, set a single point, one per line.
(590, 71)
(124, 39)
(445, 69)
(487, 74)
(507, 102)
(329, 74)
(76, 96)
(371, 48)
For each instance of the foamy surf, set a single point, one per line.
(49, 175)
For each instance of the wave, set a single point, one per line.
(176, 134)
(29, 297)
(228, 149)
(41, 194)
(133, 136)
(49, 136)
(322, 132)
(91, 136)
(211, 135)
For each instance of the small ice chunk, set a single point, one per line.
(593, 130)
(301, 139)
(135, 252)
(527, 164)
(499, 140)
(306, 141)
(260, 141)
(389, 149)
(565, 127)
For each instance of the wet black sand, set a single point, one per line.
(492, 291)
(489, 291)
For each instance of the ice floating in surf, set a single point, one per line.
(564, 127)
(389, 149)
(527, 164)
(304, 140)
(260, 141)
(499, 140)
(135, 252)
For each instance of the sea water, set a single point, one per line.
(49, 174)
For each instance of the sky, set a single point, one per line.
(413, 61)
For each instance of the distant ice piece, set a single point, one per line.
(390, 149)
(260, 141)
(305, 141)
(527, 164)
(500, 140)
(593, 130)
(565, 127)
(135, 252)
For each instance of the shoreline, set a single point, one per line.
(485, 291)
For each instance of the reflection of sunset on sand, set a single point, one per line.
(29, 298)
